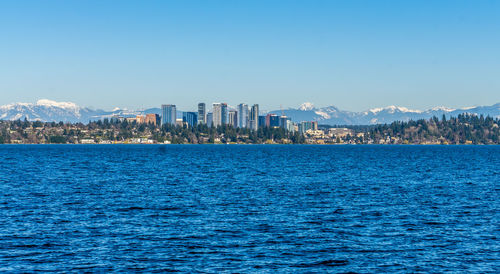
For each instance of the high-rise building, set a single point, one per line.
(242, 115)
(254, 117)
(168, 114)
(191, 118)
(283, 121)
(262, 121)
(272, 120)
(232, 118)
(220, 114)
(217, 114)
(224, 113)
(202, 117)
(210, 119)
(290, 126)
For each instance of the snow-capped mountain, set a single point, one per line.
(48, 111)
(51, 111)
(333, 116)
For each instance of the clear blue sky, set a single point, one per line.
(352, 54)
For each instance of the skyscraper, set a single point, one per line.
(272, 120)
(202, 117)
(216, 111)
(224, 113)
(220, 114)
(254, 117)
(232, 118)
(210, 119)
(168, 114)
(283, 121)
(242, 115)
(191, 118)
(262, 121)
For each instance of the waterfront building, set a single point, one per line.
(242, 115)
(254, 117)
(152, 118)
(232, 119)
(191, 118)
(168, 114)
(202, 116)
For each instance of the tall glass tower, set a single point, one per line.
(168, 114)
(202, 113)
(220, 114)
(254, 117)
(242, 115)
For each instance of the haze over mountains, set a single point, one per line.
(48, 111)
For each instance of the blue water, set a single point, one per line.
(249, 208)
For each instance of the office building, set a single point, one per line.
(262, 121)
(219, 114)
(168, 114)
(242, 115)
(202, 114)
(224, 113)
(290, 126)
(152, 118)
(283, 121)
(140, 119)
(210, 119)
(272, 120)
(232, 118)
(191, 118)
(253, 119)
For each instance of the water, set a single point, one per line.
(249, 208)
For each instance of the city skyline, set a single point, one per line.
(354, 55)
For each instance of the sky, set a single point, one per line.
(354, 54)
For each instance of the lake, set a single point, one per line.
(249, 208)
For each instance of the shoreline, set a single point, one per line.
(159, 144)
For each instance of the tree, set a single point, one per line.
(57, 139)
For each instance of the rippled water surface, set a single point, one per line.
(249, 208)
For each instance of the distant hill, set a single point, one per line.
(48, 111)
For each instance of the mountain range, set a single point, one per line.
(48, 111)
(333, 116)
